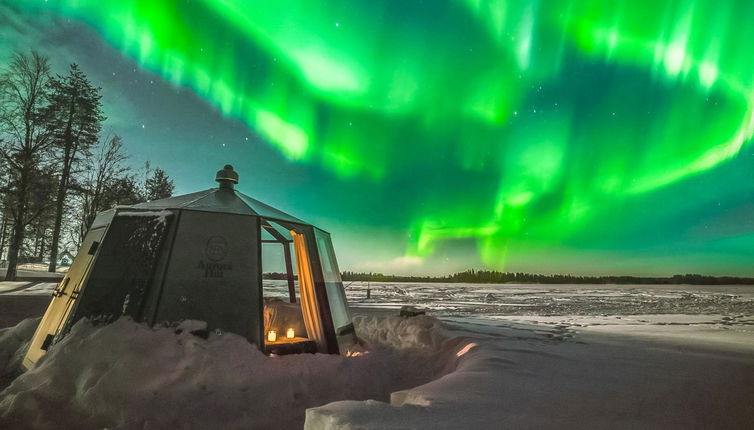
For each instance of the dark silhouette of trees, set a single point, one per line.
(4, 230)
(26, 141)
(107, 181)
(158, 185)
(5, 216)
(494, 277)
(94, 189)
(123, 191)
(41, 196)
(56, 173)
(75, 114)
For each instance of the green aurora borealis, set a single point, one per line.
(615, 127)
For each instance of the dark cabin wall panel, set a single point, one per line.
(152, 297)
(122, 272)
(213, 273)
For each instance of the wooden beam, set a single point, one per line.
(289, 272)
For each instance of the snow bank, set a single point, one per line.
(414, 373)
(127, 375)
(13, 344)
(459, 399)
(515, 376)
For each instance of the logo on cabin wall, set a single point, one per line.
(216, 250)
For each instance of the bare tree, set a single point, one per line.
(26, 139)
(103, 169)
(4, 213)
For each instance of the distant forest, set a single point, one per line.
(495, 277)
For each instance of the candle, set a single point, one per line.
(290, 334)
(272, 336)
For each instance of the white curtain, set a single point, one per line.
(308, 298)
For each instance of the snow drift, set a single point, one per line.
(127, 375)
(417, 373)
(13, 344)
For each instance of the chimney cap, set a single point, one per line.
(227, 177)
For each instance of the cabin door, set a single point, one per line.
(309, 304)
(63, 298)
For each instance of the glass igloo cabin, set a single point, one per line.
(199, 256)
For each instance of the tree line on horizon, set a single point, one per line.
(57, 168)
(494, 277)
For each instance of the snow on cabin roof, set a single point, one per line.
(218, 200)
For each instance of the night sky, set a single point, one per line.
(585, 137)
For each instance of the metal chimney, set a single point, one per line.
(227, 177)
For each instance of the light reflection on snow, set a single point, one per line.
(465, 349)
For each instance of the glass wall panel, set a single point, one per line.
(336, 295)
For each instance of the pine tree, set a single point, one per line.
(123, 190)
(75, 113)
(158, 186)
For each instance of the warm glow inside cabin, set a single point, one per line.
(289, 304)
(291, 310)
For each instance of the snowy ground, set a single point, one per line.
(36, 271)
(539, 299)
(718, 315)
(489, 356)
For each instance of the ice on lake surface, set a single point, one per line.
(722, 315)
(453, 300)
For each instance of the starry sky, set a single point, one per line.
(583, 137)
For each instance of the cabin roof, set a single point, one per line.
(222, 200)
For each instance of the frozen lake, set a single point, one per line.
(509, 356)
(733, 303)
(716, 316)
(453, 300)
